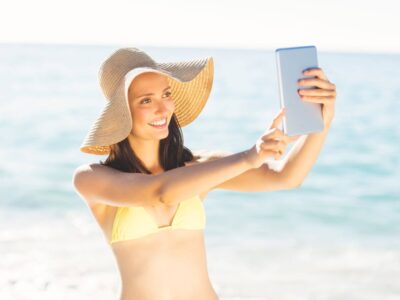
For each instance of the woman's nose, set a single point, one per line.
(161, 106)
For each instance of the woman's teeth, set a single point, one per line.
(159, 123)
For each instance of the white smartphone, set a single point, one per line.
(300, 117)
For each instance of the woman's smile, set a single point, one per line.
(160, 124)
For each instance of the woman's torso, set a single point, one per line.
(169, 264)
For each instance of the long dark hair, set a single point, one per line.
(173, 153)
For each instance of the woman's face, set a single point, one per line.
(150, 101)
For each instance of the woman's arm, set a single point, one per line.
(304, 153)
(102, 184)
(182, 183)
(300, 159)
(276, 175)
(266, 178)
(292, 170)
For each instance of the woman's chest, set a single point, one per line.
(105, 216)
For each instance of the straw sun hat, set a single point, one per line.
(191, 82)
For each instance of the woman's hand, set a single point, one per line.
(271, 144)
(324, 93)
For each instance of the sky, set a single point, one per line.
(334, 26)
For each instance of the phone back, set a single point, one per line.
(300, 117)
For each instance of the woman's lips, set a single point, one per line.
(160, 126)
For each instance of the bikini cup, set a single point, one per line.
(135, 222)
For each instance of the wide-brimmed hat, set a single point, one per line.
(191, 82)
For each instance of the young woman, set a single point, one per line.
(147, 196)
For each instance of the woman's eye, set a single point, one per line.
(144, 100)
(168, 94)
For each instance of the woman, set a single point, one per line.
(148, 195)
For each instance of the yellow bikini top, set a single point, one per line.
(135, 222)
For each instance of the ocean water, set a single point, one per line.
(335, 237)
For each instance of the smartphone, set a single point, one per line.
(300, 117)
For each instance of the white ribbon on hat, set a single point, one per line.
(128, 78)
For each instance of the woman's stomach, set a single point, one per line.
(166, 265)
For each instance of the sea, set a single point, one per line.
(337, 236)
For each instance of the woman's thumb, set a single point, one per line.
(278, 119)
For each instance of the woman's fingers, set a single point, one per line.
(316, 72)
(317, 92)
(278, 119)
(323, 84)
(274, 145)
(275, 133)
(275, 154)
(274, 141)
(317, 99)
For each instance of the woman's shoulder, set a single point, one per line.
(91, 167)
(198, 157)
